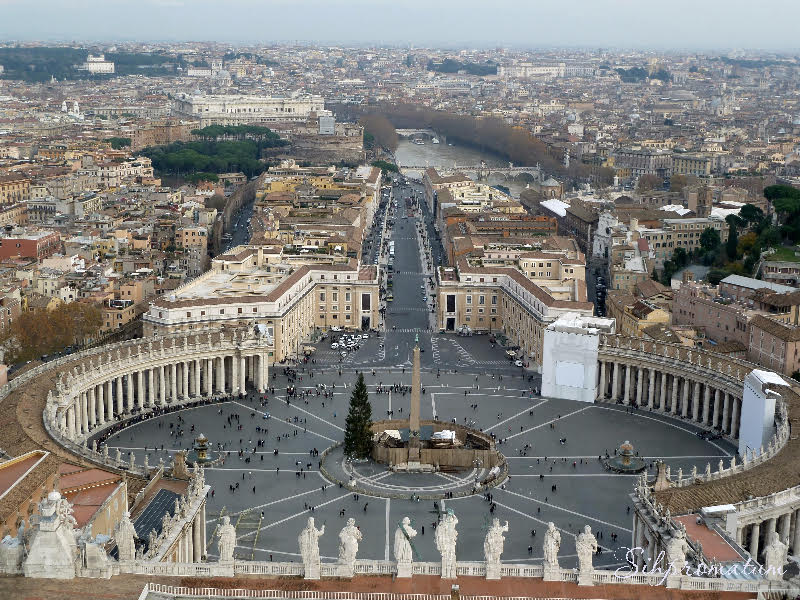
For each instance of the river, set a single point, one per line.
(445, 155)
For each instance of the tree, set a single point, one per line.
(677, 183)
(715, 276)
(680, 257)
(382, 131)
(357, 432)
(385, 166)
(751, 214)
(732, 245)
(649, 182)
(709, 239)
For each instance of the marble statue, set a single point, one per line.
(125, 536)
(775, 558)
(493, 548)
(585, 547)
(677, 547)
(445, 538)
(403, 552)
(308, 541)
(226, 540)
(349, 537)
(552, 543)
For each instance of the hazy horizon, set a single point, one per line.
(717, 25)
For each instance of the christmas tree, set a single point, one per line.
(357, 432)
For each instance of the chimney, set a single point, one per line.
(687, 276)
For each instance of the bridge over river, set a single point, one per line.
(481, 171)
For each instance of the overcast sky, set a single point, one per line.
(677, 24)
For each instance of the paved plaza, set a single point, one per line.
(288, 483)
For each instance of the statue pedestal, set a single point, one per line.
(404, 569)
(311, 572)
(552, 573)
(413, 449)
(585, 578)
(345, 570)
(492, 570)
(674, 581)
(449, 570)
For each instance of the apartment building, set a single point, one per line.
(286, 293)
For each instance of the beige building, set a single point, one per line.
(504, 300)
(287, 294)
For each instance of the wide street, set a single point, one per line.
(270, 488)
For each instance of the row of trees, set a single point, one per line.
(378, 132)
(186, 158)
(267, 137)
(39, 332)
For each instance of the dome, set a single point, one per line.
(54, 496)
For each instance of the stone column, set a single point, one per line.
(140, 389)
(185, 371)
(63, 421)
(726, 417)
(173, 382)
(737, 404)
(626, 397)
(197, 367)
(84, 404)
(706, 403)
(196, 552)
(151, 387)
(120, 408)
(162, 385)
(92, 407)
(203, 530)
(209, 365)
(234, 374)
(673, 407)
(101, 405)
(784, 524)
(696, 402)
(755, 530)
(639, 385)
(615, 382)
(662, 396)
(242, 374)
(109, 399)
(259, 372)
(640, 536)
(796, 543)
(602, 394)
(221, 374)
(771, 527)
(71, 421)
(129, 403)
(715, 416)
(651, 382)
(685, 398)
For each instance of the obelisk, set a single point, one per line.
(413, 413)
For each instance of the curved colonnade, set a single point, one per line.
(133, 379)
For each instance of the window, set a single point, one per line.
(494, 299)
(188, 314)
(335, 296)
(322, 296)
(239, 310)
(481, 299)
(469, 299)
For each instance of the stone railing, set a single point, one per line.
(776, 499)
(599, 577)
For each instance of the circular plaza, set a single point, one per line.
(271, 479)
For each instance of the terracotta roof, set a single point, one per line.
(649, 288)
(782, 331)
(780, 472)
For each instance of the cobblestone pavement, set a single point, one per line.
(289, 483)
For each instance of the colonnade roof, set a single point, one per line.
(780, 472)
